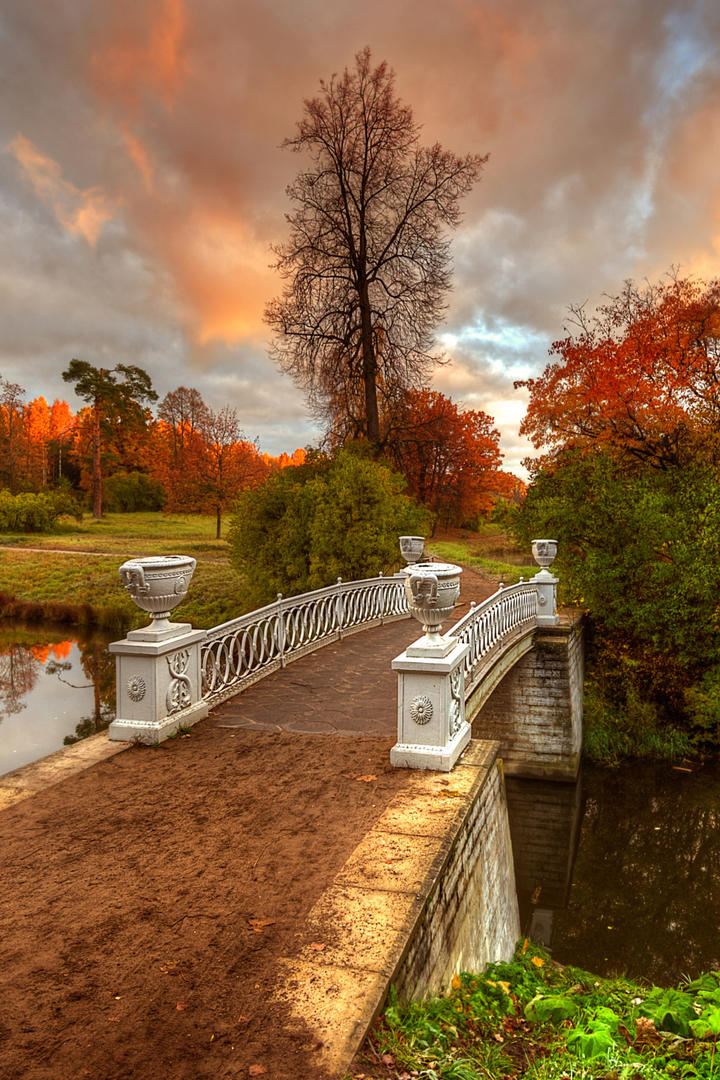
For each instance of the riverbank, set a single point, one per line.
(537, 1019)
(71, 575)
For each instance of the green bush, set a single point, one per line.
(129, 493)
(34, 513)
(306, 526)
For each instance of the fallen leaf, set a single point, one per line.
(366, 779)
(113, 1019)
(525, 945)
(181, 1005)
(456, 982)
(258, 925)
(257, 1070)
(505, 986)
(537, 961)
(318, 946)
(498, 1038)
(242, 1019)
(387, 1059)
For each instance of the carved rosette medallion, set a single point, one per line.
(136, 688)
(421, 709)
(457, 704)
(179, 691)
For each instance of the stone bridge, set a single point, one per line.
(510, 669)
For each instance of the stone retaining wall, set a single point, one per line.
(536, 711)
(470, 917)
(429, 892)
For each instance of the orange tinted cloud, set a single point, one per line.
(82, 212)
(148, 57)
(138, 154)
(223, 274)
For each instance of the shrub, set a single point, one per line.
(34, 513)
(306, 526)
(127, 493)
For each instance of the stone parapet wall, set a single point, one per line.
(470, 917)
(536, 711)
(429, 892)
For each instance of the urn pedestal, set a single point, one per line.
(157, 668)
(544, 552)
(432, 730)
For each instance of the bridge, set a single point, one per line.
(511, 670)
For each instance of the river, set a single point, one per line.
(621, 872)
(57, 684)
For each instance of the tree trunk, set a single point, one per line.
(369, 370)
(97, 473)
(218, 520)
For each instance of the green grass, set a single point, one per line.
(536, 1019)
(80, 582)
(467, 553)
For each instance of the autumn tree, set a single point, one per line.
(182, 416)
(116, 399)
(640, 376)
(450, 456)
(228, 463)
(11, 407)
(367, 261)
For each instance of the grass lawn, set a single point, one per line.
(488, 551)
(74, 574)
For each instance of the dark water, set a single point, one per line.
(621, 872)
(56, 685)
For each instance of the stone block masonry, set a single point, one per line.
(429, 892)
(536, 711)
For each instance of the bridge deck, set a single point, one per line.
(347, 688)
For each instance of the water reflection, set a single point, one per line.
(55, 688)
(643, 896)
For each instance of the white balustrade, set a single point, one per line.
(487, 624)
(237, 653)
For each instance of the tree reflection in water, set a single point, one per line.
(644, 895)
(32, 656)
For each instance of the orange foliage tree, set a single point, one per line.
(450, 456)
(641, 377)
(201, 457)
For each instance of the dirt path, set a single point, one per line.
(147, 902)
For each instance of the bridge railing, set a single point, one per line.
(509, 610)
(237, 653)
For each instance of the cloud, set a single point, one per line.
(81, 212)
(152, 131)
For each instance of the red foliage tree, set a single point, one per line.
(641, 376)
(450, 456)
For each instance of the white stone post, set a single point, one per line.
(157, 669)
(544, 551)
(432, 729)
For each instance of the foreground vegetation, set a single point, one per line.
(71, 574)
(533, 1018)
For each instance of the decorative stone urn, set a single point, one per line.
(432, 590)
(432, 729)
(157, 584)
(411, 548)
(157, 668)
(544, 552)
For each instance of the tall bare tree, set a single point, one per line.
(367, 262)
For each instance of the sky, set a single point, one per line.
(142, 178)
